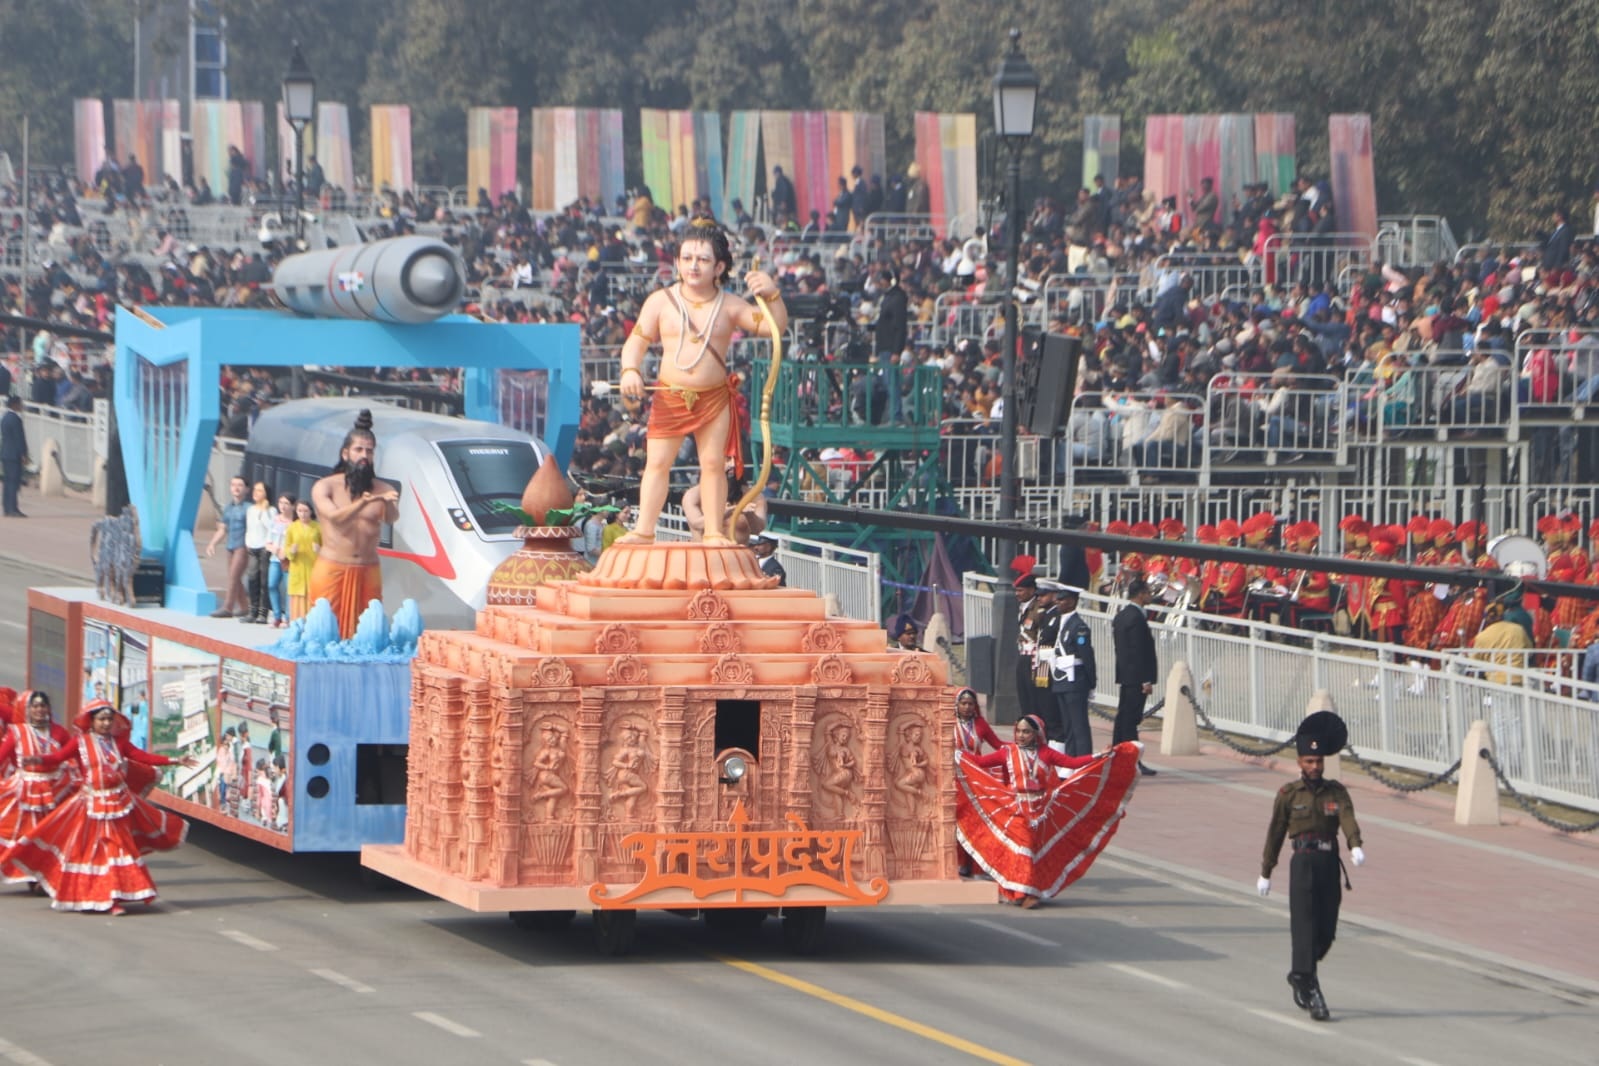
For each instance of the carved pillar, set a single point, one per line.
(416, 762)
(510, 731)
(450, 794)
(874, 732)
(802, 721)
(477, 783)
(590, 803)
(948, 856)
(673, 714)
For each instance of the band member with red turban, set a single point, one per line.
(1033, 832)
(1386, 607)
(88, 853)
(1423, 607)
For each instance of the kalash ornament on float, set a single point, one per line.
(546, 553)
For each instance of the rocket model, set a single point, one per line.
(403, 280)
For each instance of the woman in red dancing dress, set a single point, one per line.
(972, 731)
(1033, 832)
(88, 854)
(29, 795)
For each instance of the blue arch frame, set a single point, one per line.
(207, 338)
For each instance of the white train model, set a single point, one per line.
(460, 485)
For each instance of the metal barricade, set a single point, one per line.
(1475, 400)
(956, 315)
(1290, 258)
(893, 231)
(1280, 419)
(1505, 249)
(1558, 372)
(1405, 708)
(78, 436)
(1415, 240)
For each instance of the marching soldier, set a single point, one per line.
(1356, 531)
(1385, 597)
(1310, 812)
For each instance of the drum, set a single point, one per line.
(1519, 556)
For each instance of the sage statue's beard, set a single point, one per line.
(358, 479)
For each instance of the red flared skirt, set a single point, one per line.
(92, 864)
(1035, 844)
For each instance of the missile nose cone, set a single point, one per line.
(432, 280)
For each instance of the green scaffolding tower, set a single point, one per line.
(822, 405)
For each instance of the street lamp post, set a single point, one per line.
(299, 107)
(1015, 98)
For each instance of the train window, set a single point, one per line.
(491, 476)
(738, 725)
(380, 773)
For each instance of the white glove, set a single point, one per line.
(1358, 855)
(1263, 886)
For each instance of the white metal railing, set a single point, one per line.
(1505, 249)
(1404, 708)
(1294, 257)
(1415, 240)
(1297, 416)
(80, 436)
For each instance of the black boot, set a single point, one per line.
(1317, 1005)
(1298, 983)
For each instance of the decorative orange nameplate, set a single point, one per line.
(743, 867)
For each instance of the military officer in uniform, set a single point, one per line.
(1309, 812)
(1031, 605)
(764, 545)
(1066, 645)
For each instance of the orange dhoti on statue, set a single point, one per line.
(348, 588)
(677, 412)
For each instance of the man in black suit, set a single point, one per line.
(890, 334)
(13, 453)
(1073, 675)
(1136, 669)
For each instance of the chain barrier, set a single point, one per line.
(1204, 720)
(1531, 806)
(1110, 716)
(1430, 781)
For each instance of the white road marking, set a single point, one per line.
(247, 940)
(21, 1056)
(1017, 933)
(1417, 1062)
(1145, 975)
(537, 1062)
(344, 982)
(455, 1028)
(1283, 1019)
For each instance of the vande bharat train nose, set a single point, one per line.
(403, 280)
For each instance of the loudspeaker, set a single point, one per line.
(150, 582)
(980, 668)
(1048, 403)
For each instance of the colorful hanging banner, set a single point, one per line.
(656, 138)
(333, 149)
(577, 152)
(88, 138)
(1275, 161)
(391, 147)
(743, 155)
(1354, 180)
(151, 131)
(214, 125)
(491, 151)
(253, 138)
(1102, 147)
(946, 151)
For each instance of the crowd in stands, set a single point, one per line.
(1286, 357)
